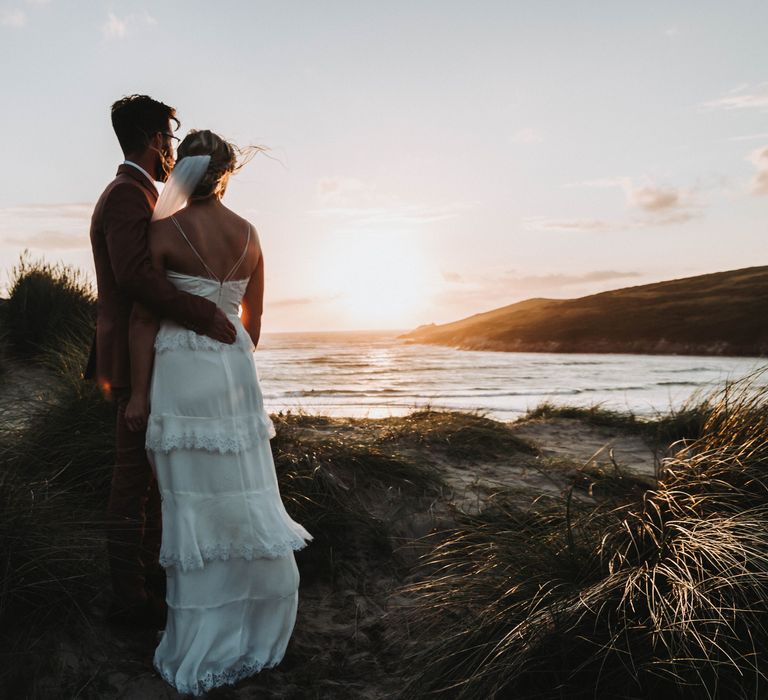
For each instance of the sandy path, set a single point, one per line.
(23, 386)
(564, 445)
(570, 439)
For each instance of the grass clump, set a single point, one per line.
(330, 485)
(48, 304)
(662, 596)
(54, 479)
(594, 415)
(460, 434)
(685, 422)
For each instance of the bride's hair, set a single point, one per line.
(226, 158)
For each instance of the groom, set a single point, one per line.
(124, 274)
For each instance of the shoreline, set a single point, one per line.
(660, 348)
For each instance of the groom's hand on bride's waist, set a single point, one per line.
(221, 328)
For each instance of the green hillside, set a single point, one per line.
(724, 313)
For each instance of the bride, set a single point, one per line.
(228, 543)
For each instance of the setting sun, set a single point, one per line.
(377, 280)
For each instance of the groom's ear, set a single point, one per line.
(156, 142)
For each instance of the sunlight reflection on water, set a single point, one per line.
(374, 374)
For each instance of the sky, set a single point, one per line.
(429, 159)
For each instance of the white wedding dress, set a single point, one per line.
(228, 543)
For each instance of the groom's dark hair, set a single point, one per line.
(136, 118)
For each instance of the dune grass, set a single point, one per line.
(664, 596)
(47, 304)
(327, 485)
(55, 467)
(459, 434)
(684, 422)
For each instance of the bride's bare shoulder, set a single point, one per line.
(241, 223)
(234, 217)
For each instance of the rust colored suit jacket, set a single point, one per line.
(124, 274)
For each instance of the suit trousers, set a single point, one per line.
(134, 517)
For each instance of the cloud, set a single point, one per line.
(73, 210)
(668, 204)
(543, 223)
(114, 27)
(652, 198)
(661, 206)
(289, 302)
(679, 217)
(395, 215)
(594, 276)
(742, 97)
(295, 301)
(671, 32)
(646, 196)
(750, 137)
(556, 279)
(119, 27)
(60, 226)
(760, 180)
(355, 203)
(55, 240)
(601, 182)
(13, 18)
(546, 224)
(528, 135)
(477, 291)
(341, 191)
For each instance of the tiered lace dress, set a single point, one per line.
(228, 541)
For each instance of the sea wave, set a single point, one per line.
(357, 372)
(680, 383)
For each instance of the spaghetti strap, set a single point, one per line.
(194, 250)
(242, 255)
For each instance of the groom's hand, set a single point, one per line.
(136, 412)
(222, 328)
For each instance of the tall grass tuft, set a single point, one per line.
(48, 304)
(460, 434)
(664, 597)
(685, 422)
(328, 485)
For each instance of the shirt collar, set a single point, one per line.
(140, 169)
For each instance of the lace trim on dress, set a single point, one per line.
(184, 339)
(166, 432)
(211, 679)
(226, 551)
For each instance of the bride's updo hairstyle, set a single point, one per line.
(226, 158)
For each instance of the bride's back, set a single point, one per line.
(216, 233)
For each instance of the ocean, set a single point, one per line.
(374, 374)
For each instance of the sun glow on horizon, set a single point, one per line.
(424, 168)
(377, 280)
